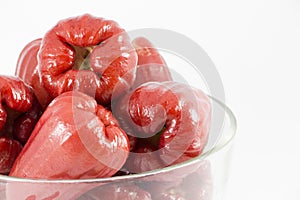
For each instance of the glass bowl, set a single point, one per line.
(201, 178)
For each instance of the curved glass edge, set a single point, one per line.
(227, 137)
(220, 144)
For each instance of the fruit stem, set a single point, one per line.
(82, 57)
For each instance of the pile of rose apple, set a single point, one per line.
(86, 101)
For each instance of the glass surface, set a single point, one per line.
(201, 178)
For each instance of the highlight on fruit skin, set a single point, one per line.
(27, 69)
(87, 54)
(151, 66)
(75, 138)
(170, 120)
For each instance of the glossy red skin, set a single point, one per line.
(124, 191)
(15, 94)
(151, 65)
(27, 70)
(74, 138)
(27, 61)
(9, 150)
(181, 113)
(109, 73)
(19, 109)
(119, 109)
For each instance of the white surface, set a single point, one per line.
(254, 44)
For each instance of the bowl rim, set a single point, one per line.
(220, 144)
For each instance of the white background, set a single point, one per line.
(255, 46)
